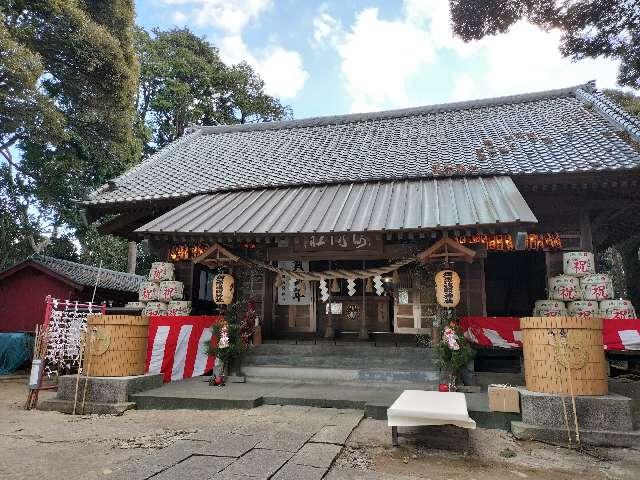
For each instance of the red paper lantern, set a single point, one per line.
(443, 387)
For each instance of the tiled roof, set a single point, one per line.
(351, 207)
(575, 129)
(86, 274)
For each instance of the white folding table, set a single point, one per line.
(415, 408)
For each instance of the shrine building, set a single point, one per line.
(337, 226)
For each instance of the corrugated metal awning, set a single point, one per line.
(409, 205)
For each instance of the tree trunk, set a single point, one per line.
(132, 256)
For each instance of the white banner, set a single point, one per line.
(291, 291)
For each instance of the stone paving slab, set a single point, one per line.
(230, 445)
(196, 467)
(336, 434)
(285, 441)
(320, 455)
(257, 464)
(299, 472)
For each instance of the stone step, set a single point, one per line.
(339, 361)
(355, 350)
(408, 378)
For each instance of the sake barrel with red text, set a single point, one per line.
(549, 308)
(170, 290)
(565, 288)
(161, 271)
(148, 292)
(155, 308)
(578, 264)
(596, 287)
(618, 309)
(179, 308)
(583, 308)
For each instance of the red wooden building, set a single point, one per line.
(24, 287)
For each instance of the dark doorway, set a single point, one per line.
(514, 281)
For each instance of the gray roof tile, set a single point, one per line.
(575, 129)
(86, 274)
(354, 207)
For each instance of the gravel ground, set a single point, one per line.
(56, 446)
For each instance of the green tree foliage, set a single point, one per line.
(68, 78)
(183, 81)
(591, 28)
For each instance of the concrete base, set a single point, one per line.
(103, 394)
(195, 393)
(604, 420)
(524, 431)
(600, 413)
(66, 406)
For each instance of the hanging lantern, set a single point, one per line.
(447, 288)
(396, 278)
(368, 287)
(223, 289)
(335, 286)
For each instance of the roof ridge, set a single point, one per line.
(44, 258)
(612, 111)
(395, 113)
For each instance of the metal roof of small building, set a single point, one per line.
(86, 275)
(354, 207)
(575, 129)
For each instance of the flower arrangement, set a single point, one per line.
(453, 351)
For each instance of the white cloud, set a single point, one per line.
(326, 29)
(179, 18)
(381, 59)
(464, 87)
(378, 57)
(527, 59)
(282, 70)
(228, 15)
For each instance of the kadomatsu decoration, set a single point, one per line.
(233, 333)
(453, 352)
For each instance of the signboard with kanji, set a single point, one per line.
(290, 291)
(337, 242)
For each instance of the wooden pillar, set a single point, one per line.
(586, 237)
(364, 332)
(132, 256)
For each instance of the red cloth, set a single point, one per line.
(177, 346)
(621, 334)
(504, 332)
(500, 332)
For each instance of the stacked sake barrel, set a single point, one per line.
(581, 292)
(162, 294)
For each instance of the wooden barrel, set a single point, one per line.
(117, 345)
(555, 346)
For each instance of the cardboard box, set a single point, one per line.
(503, 398)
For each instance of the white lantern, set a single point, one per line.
(223, 289)
(447, 288)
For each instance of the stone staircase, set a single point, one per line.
(342, 363)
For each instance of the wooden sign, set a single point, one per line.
(447, 288)
(338, 242)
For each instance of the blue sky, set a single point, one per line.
(341, 56)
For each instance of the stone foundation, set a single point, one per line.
(104, 395)
(604, 420)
